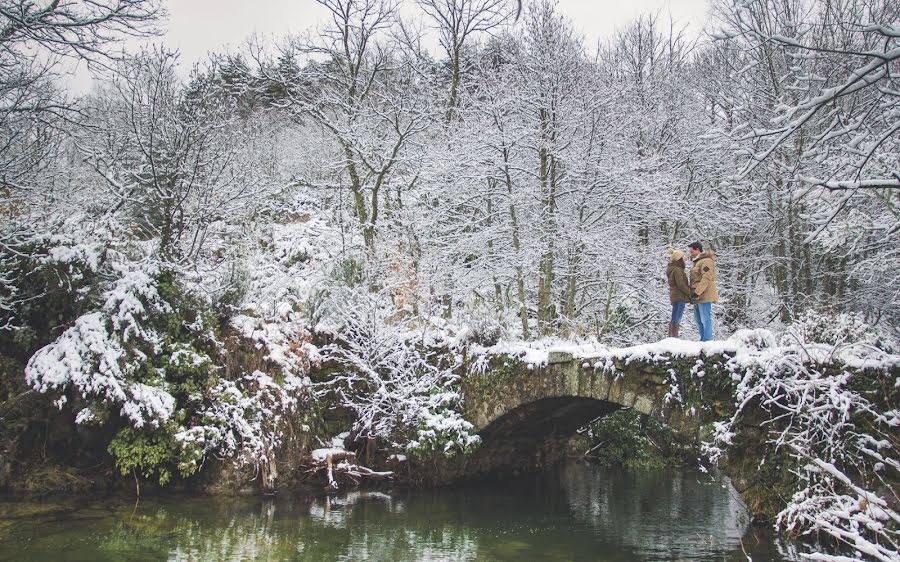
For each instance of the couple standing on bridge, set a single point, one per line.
(701, 291)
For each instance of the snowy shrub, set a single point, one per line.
(837, 426)
(399, 391)
(286, 264)
(243, 420)
(45, 278)
(441, 428)
(836, 328)
(101, 357)
(132, 362)
(284, 338)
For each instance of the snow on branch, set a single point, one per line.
(841, 438)
(398, 389)
(244, 420)
(84, 28)
(822, 103)
(100, 356)
(884, 183)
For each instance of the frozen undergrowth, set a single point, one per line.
(244, 420)
(131, 353)
(400, 390)
(840, 427)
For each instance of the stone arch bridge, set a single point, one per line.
(527, 406)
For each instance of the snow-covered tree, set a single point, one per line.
(175, 160)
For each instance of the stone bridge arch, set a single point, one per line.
(526, 412)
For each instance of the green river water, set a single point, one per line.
(573, 512)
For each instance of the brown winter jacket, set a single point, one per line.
(703, 278)
(679, 290)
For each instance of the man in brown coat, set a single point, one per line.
(703, 288)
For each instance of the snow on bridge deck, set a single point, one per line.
(745, 347)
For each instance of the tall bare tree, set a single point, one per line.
(456, 22)
(364, 95)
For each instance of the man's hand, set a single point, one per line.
(695, 297)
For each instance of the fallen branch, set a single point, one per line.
(339, 464)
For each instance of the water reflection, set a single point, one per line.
(577, 512)
(660, 514)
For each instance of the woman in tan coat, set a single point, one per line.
(679, 290)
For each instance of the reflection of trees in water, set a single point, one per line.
(380, 526)
(359, 525)
(580, 513)
(239, 536)
(662, 513)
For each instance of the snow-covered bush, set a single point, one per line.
(244, 420)
(46, 278)
(101, 359)
(130, 362)
(835, 426)
(399, 390)
(837, 328)
(442, 428)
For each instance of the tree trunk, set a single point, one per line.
(517, 246)
(547, 176)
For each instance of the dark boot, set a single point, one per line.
(673, 331)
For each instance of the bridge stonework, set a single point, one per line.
(526, 413)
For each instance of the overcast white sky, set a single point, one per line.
(198, 27)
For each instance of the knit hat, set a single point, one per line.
(675, 255)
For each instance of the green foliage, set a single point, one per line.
(184, 363)
(622, 438)
(185, 354)
(618, 439)
(44, 297)
(188, 371)
(147, 453)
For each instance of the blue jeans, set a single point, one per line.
(678, 311)
(703, 318)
